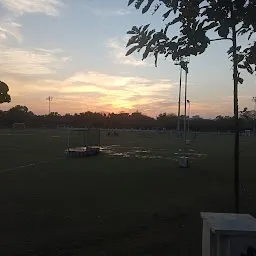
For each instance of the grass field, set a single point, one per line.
(132, 199)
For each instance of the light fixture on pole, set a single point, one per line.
(49, 98)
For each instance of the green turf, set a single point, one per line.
(131, 200)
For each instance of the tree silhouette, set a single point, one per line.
(136, 120)
(249, 252)
(4, 96)
(19, 114)
(228, 19)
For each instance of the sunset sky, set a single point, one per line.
(73, 50)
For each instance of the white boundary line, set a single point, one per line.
(13, 134)
(29, 165)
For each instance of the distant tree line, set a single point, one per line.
(136, 120)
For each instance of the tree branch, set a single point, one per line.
(220, 39)
(203, 7)
(240, 29)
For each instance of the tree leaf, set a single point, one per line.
(177, 19)
(249, 69)
(165, 15)
(151, 32)
(238, 48)
(131, 32)
(146, 53)
(240, 58)
(240, 80)
(130, 51)
(130, 2)
(250, 35)
(146, 8)
(156, 8)
(132, 40)
(225, 25)
(241, 66)
(184, 66)
(210, 26)
(146, 27)
(175, 4)
(223, 31)
(135, 29)
(138, 4)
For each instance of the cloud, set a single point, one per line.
(18, 61)
(104, 12)
(9, 28)
(105, 80)
(118, 50)
(19, 7)
(94, 91)
(66, 59)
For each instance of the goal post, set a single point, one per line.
(61, 126)
(83, 137)
(18, 126)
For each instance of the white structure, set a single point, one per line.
(247, 132)
(18, 126)
(226, 234)
(61, 126)
(183, 162)
(90, 142)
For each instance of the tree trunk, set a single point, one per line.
(236, 117)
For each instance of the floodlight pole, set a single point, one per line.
(185, 110)
(49, 98)
(178, 123)
(68, 140)
(99, 137)
(178, 62)
(254, 113)
(188, 101)
(87, 134)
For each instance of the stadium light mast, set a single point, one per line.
(186, 62)
(179, 64)
(49, 99)
(254, 113)
(189, 103)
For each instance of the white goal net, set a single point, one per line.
(18, 126)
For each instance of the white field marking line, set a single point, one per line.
(29, 165)
(10, 134)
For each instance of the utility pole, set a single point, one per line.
(189, 102)
(178, 124)
(185, 109)
(49, 98)
(254, 114)
(186, 62)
